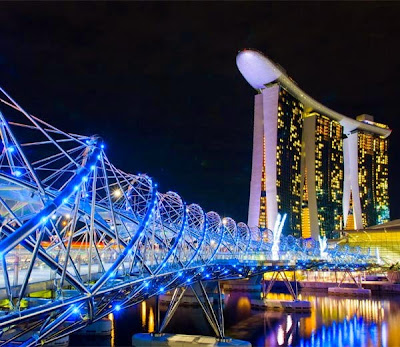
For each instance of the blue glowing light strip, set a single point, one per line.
(129, 246)
(178, 239)
(26, 229)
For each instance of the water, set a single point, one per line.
(332, 322)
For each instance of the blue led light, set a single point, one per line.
(146, 284)
(117, 307)
(11, 149)
(75, 310)
(17, 173)
(161, 290)
(65, 201)
(188, 280)
(102, 146)
(179, 274)
(92, 167)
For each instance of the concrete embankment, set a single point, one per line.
(376, 287)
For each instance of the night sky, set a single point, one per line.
(159, 82)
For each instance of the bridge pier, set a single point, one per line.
(220, 311)
(293, 291)
(173, 306)
(294, 305)
(357, 291)
(215, 318)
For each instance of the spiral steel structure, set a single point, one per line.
(98, 238)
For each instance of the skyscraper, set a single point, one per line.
(324, 170)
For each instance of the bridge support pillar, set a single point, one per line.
(221, 310)
(173, 306)
(293, 305)
(358, 291)
(204, 302)
(348, 273)
(214, 317)
(267, 289)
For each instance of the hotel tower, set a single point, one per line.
(326, 171)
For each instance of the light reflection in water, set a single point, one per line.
(244, 306)
(144, 313)
(151, 321)
(111, 318)
(280, 336)
(333, 321)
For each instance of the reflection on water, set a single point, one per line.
(333, 321)
(111, 318)
(151, 321)
(244, 306)
(144, 313)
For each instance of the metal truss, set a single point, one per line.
(99, 239)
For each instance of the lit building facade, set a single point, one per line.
(382, 240)
(329, 173)
(324, 170)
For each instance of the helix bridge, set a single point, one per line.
(99, 239)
